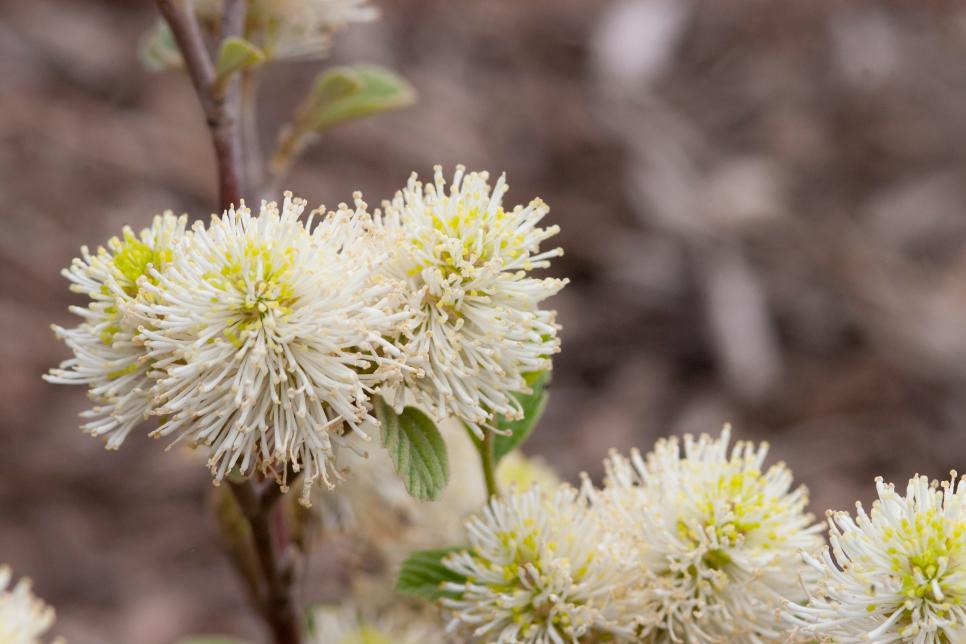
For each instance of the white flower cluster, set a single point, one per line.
(535, 571)
(294, 29)
(107, 352)
(714, 537)
(264, 338)
(303, 28)
(347, 623)
(702, 546)
(23, 617)
(465, 261)
(894, 574)
(402, 524)
(697, 542)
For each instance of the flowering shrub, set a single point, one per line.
(395, 349)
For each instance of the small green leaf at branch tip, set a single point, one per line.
(417, 450)
(158, 49)
(334, 84)
(422, 574)
(235, 55)
(345, 93)
(533, 405)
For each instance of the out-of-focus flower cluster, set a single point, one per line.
(369, 604)
(348, 624)
(295, 29)
(302, 28)
(403, 524)
(281, 29)
(23, 617)
(265, 338)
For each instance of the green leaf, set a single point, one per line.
(333, 85)
(211, 639)
(158, 50)
(423, 572)
(340, 94)
(235, 55)
(533, 405)
(417, 450)
(344, 93)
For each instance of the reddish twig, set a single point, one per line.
(220, 113)
(280, 606)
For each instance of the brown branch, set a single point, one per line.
(187, 33)
(236, 533)
(280, 606)
(251, 147)
(221, 113)
(232, 18)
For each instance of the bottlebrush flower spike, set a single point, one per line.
(477, 326)
(535, 572)
(265, 333)
(109, 357)
(713, 539)
(894, 574)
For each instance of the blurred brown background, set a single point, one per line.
(762, 204)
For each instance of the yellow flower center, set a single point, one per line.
(131, 260)
(132, 257)
(263, 284)
(366, 634)
(732, 509)
(921, 552)
(462, 238)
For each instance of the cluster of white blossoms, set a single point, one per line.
(698, 543)
(347, 623)
(894, 574)
(261, 332)
(715, 539)
(535, 571)
(703, 546)
(265, 338)
(302, 28)
(108, 355)
(478, 328)
(23, 617)
(403, 524)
